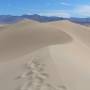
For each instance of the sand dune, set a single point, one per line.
(24, 37)
(44, 56)
(77, 31)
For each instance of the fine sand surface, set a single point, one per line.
(44, 56)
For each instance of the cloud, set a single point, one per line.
(59, 13)
(65, 4)
(75, 11)
(82, 10)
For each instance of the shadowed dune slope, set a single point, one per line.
(25, 36)
(78, 31)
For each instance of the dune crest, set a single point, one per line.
(77, 31)
(27, 21)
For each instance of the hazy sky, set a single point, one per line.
(64, 8)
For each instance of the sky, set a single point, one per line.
(61, 8)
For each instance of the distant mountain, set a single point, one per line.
(84, 21)
(9, 19)
(42, 18)
(13, 19)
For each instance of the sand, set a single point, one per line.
(44, 56)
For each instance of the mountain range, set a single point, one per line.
(12, 19)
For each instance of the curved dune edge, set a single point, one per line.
(78, 31)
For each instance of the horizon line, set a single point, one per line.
(41, 15)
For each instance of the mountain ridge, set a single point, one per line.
(4, 19)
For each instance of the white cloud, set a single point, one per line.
(65, 4)
(83, 10)
(75, 11)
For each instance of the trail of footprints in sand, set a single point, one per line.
(37, 78)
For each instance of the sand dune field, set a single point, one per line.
(44, 56)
